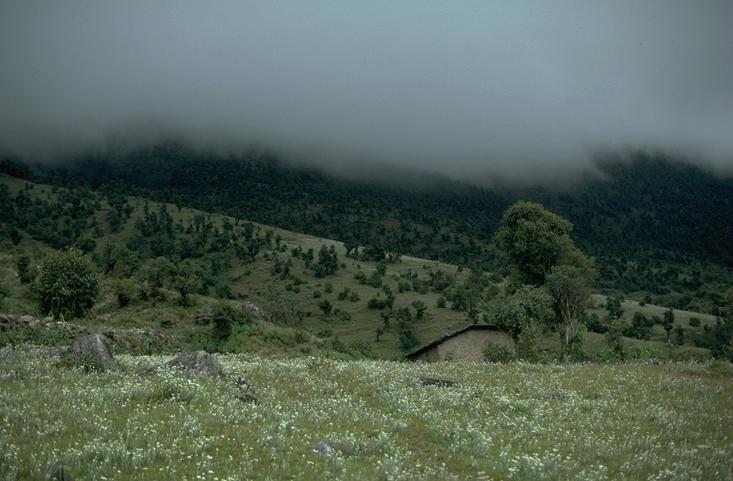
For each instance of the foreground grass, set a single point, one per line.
(319, 419)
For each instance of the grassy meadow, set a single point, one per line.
(320, 419)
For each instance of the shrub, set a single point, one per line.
(695, 322)
(124, 291)
(498, 353)
(420, 308)
(24, 269)
(376, 303)
(325, 306)
(66, 284)
(408, 341)
(375, 280)
(224, 317)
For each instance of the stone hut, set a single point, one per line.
(467, 344)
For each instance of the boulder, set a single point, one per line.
(55, 351)
(324, 448)
(93, 351)
(247, 397)
(57, 472)
(256, 311)
(198, 363)
(204, 315)
(247, 392)
(427, 381)
(556, 396)
(7, 354)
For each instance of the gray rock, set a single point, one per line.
(204, 315)
(55, 351)
(256, 311)
(651, 362)
(57, 472)
(7, 354)
(556, 396)
(428, 381)
(324, 448)
(247, 392)
(247, 397)
(199, 363)
(93, 351)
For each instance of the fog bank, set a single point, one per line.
(522, 90)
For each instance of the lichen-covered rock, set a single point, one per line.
(93, 352)
(199, 363)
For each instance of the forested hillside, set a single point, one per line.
(162, 277)
(657, 227)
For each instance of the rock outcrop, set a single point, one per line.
(197, 363)
(93, 352)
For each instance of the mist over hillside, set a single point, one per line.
(638, 205)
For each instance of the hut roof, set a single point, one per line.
(470, 327)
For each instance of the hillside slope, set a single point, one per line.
(246, 264)
(659, 227)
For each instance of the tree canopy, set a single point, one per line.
(535, 240)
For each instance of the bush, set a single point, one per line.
(224, 317)
(66, 284)
(376, 303)
(408, 341)
(695, 322)
(420, 308)
(325, 306)
(498, 353)
(124, 291)
(24, 269)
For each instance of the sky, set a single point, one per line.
(471, 89)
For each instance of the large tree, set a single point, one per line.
(535, 240)
(570, 289)
(539, 245)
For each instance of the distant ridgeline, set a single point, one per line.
(653, 224)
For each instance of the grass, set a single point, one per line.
(323, 419)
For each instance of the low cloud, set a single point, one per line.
(523, 90)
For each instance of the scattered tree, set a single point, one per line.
(570, 288)
(66, 284)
